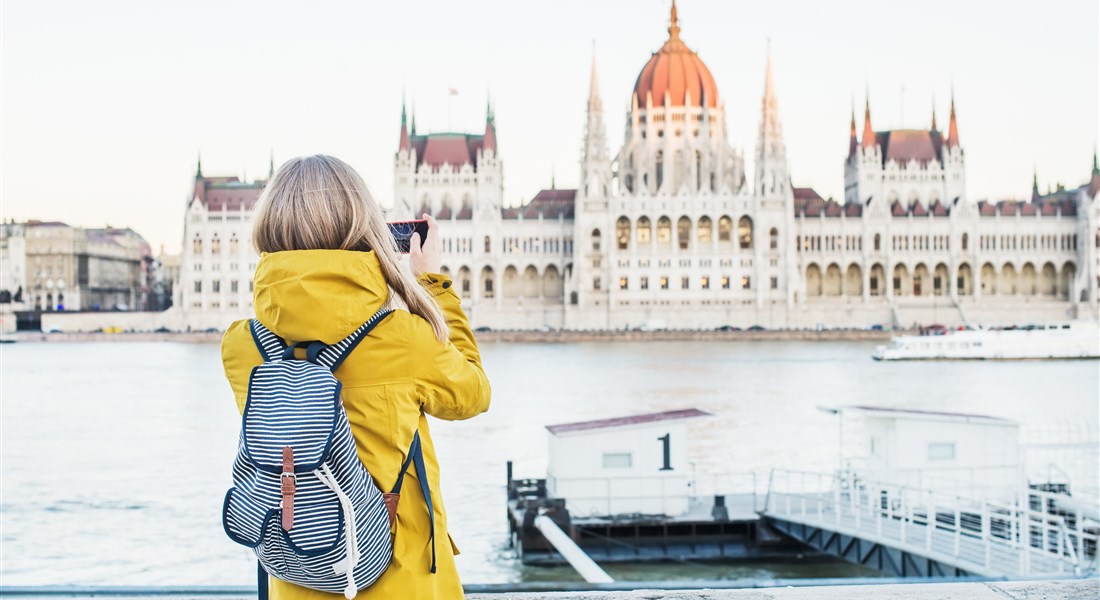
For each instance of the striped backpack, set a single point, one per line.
(301, 498)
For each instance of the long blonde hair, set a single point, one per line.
(320, 203)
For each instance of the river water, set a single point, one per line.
(115, 456)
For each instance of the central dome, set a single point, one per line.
(677, 70)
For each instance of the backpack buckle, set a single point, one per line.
(288, 481)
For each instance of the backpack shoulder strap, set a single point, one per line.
(332, 356)
(270, 345)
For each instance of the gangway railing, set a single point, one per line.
(982, 536)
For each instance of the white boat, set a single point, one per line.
(1078, 339)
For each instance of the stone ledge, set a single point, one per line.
(1072, 589)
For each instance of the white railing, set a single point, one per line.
(986, 537)
(662, 494)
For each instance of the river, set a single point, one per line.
(115, 456)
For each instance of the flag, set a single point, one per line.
(452, 91)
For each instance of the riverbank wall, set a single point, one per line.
(1061, 589)
(488, 337)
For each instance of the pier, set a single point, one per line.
(912, 531)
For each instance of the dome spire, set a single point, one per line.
(673, 24)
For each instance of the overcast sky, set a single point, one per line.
(106, 104)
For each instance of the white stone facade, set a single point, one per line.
(671, 232)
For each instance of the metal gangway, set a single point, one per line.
(918, 531)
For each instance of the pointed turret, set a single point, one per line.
(933, 114)
(853, 142)
(596, 160)
(490, 140)
(198, 167)
(1034, 184)
(953, 126)
(1094, 183)
(403, 143)
(271, 164)
(412, 126)
(771, 154)
(869, 140)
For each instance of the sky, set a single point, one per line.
(105, 106)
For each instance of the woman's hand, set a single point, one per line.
(428, 259)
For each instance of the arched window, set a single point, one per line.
(622, 233)
(664, 230)
(744, 232)
(595, 240)
(878, 242)
(725, 229)
(660, 169)
(703, 230)
(683, 232)
(233, 244)
(644, 230)
(196, 245)
(773, 238)
(965, 241)
(488, 245)
(215, 245)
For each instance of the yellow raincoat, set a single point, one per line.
(395, 376)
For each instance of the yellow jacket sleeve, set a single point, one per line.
(449, 378)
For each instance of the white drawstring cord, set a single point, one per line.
(327, 478)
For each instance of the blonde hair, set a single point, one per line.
(320, 203)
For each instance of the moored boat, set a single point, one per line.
(1078, 339)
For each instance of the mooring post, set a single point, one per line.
(508, 487)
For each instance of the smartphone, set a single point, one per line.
(402, 232)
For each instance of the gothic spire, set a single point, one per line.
(198, 168)
(403, 143)
(594, 85)
(933, 113)
(1034, 183)
(953, 126)
(271, 164)
(853, 143)
(771, 161)
(869, 140)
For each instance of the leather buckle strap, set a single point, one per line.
(288, 482)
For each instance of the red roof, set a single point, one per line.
(227, 193)
(454, 149)
(807, 201)
(549, 204)
(689, 413)
(904, 145)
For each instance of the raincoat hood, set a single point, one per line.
(306, 295)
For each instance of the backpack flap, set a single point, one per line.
(290, 403)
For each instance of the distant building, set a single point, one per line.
(13, 264)
(74, 269)
(166, 272)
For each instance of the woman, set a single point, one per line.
(327, 263)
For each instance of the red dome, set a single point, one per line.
(677, 70)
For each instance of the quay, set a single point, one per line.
(1048, 589)
(508, 336)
